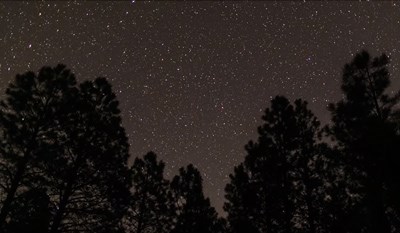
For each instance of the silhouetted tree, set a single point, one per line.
(194, 212)
(28, 122)
(64, 152)
(68, 141)
(151, 208)
(88, 179)
(280, 186)
(365, 134)
(241, 204)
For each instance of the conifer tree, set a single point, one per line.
(69, 143)
(28, 121)
(88, 177)
(151, 208)
(279, 187)
(194, 212)
(365, 133)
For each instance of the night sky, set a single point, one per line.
(193, 78)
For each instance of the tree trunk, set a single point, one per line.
(21, 166)
(61, 209)
(311, 211)
(140, 226)
(11, 193)
(380, 223)
(287, 203)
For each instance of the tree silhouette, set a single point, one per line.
(279, 187)
(194, 212)
(68, 141)
(366, 135)
(241, 204)
(151, 208)
(28, 118)
(89, 179)
(64, 154)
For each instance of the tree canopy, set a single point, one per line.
(64, 164)
(67, 141)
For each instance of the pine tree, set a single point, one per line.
(365, 134)
(194, 212)
(242, 203)
(88, 178)
(280, 187)
(68, 141)
(151, 208)
(28, 122)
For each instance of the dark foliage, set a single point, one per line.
(151, 208)
(364, 127)
(29, 122)
(279, 187)
(194, 212)
(89, 178)
(68, 141)
(30, 213)
(291, 182)
(64, 155)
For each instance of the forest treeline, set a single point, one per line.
(64, 164)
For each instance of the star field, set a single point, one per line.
(193, 78)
